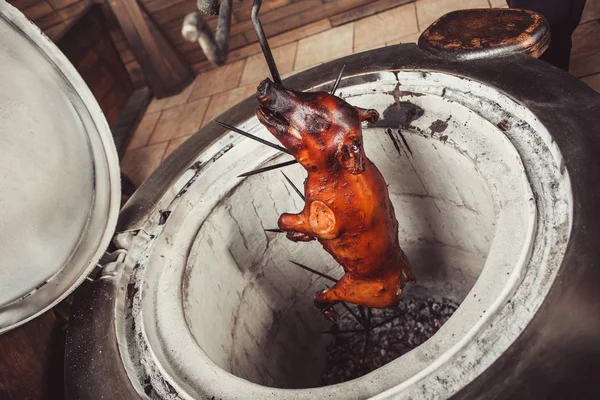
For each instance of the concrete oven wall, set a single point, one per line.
(258, 305)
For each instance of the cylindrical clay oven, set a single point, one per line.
(468, 231)
(490, 161)
(214, 298)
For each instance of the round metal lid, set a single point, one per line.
(59, 174)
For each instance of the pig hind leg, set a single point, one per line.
(378, 293)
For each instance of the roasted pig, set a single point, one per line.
(347, 208)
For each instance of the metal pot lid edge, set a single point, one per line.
(59, 174)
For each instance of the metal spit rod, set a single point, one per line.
(264, 44)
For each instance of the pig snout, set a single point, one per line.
(274, 96)
(269, 93)
(263, 89)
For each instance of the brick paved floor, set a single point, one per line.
(168, 122)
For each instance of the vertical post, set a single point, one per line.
(165, 70)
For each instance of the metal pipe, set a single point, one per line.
(215, 47)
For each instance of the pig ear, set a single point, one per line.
(369, 115)
(350, 157)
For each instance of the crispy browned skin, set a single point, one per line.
(347, 202)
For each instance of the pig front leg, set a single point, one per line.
(295, 227)
(315, 221)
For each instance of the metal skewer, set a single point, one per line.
(294, 186)
(251, 136)
(367, 337)
(337, 81)
(356, 317)
(362, 313)
(322, 275)
(265, 169)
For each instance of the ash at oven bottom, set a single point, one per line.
(418, 319)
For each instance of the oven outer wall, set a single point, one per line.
(557, 354)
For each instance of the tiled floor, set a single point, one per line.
(169, 122)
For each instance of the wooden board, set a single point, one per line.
(486, 33)
(164, 68)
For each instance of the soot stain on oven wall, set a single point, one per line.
(400, 115)
(438, 126)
